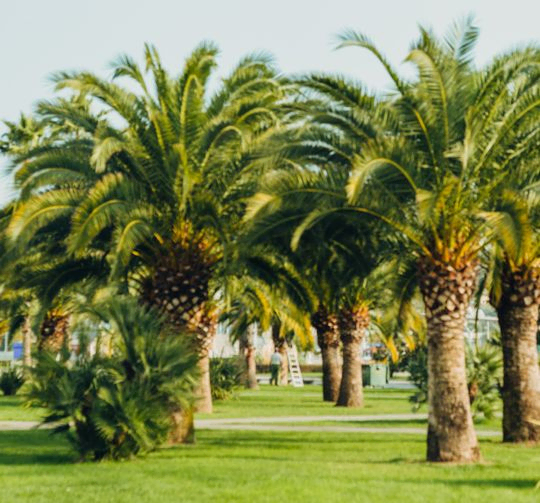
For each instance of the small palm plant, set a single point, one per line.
(11, 381)
(120, 406)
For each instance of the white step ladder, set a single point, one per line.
(294, 366)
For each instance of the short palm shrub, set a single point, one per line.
(11, 380)
(120, 406)
(226, 376)
(484, 379)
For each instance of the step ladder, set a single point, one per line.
(294, 367)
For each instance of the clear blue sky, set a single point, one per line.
(39, 37)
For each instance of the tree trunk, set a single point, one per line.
(27, 343)
(183, 429)
(204, 391)
(331, 372)
(251, 382)
(326, 326)
(446, 292)
(352, 325)
(518, 320)
(247, 350)
(202, 327)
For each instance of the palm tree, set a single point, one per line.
(156, 177)
(515, 269)
(326, 325)
(337, 257)
(452, 133)
(515, 293)
(310, 161)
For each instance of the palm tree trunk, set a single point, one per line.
(247, 349)
(518, 320)
(202, 327)
(446, 292)
(251, 382)
(183, 429)
(27, 343)
(352, 325)
(204, 391)
(331, 372)
(328, 340)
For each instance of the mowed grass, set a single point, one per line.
(266, 466)
(270, 401)
(228, 466)
(12, 409)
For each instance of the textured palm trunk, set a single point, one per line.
(352, 325)
(183, 428)
(178, 286)
(331, 372)
(328, 339)
(27, 343)
(203, 329)
(446, 292)
(518, 320)
(204, 391)
(247, 347)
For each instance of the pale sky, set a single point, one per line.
(39, 37)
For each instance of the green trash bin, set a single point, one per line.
(366, 374)
(378, 375)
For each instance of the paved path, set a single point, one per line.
(17, 425)
(273, 424)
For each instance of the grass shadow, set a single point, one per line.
(32, 447)
(497, 483)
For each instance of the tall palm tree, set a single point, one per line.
(337, 256)
(156, 177)
(515, 271)
(515, 293)
(452, 133)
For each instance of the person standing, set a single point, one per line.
(275, 365)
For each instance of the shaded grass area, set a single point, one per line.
(265, 467)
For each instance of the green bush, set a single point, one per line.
(119, 406)
(225, 377)
(484, 374)
(484, 378)
(11, 381)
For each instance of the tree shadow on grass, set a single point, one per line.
(500, 483)
(34, 447)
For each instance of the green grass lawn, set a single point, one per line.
(307, 401)
(11, 409)
(236, 466)
(228, 466)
